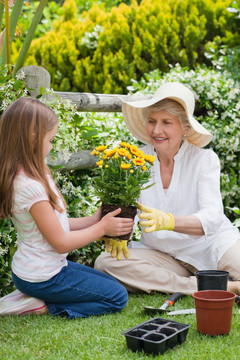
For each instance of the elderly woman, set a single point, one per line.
(184, 227)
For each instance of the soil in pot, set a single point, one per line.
(127, 212)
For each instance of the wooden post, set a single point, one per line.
(35, 78)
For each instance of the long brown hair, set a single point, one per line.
(23, 126)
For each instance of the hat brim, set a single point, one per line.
(133, 113)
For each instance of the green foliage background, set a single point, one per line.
(217, 108)
(118, 49)
(102, 50)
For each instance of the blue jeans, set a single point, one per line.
(77, 291)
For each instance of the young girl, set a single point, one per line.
(45, 279)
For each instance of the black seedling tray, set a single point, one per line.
(156, 335)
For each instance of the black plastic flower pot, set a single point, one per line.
(127, 212)
(212, 279)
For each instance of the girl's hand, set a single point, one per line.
(116, 226)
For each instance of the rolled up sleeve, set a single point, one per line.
(209, 197)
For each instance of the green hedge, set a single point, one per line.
(102, 51)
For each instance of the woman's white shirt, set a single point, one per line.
(35, 260)
(194, 190)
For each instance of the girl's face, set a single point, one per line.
(47, 141)
(165, 131)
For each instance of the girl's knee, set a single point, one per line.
(122, 299)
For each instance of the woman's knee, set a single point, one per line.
(101, 261)
(230, 261)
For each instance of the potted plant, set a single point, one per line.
(122, 172)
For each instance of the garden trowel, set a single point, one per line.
(182, 312)
(193, 311)
(169, 302)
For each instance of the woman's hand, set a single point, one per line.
(117, 248)
(156, 219)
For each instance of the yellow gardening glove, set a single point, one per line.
(156, 219)
(117, 248)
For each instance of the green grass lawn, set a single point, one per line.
(100, 338)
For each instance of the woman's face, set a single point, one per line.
(47, 141)
(165, 131)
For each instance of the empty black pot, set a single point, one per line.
(212, 279)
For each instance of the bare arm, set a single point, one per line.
(84, 222)
(63, 242)
(188, 225)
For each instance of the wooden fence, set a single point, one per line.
(37, 77)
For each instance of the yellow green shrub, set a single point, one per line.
(102, 51)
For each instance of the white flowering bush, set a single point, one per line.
(236, 210)
(10, 88)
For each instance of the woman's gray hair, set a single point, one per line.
(172, 107)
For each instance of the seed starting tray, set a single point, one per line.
(156, 335)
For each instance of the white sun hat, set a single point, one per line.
(134, 114)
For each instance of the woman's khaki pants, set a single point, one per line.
(152, 270)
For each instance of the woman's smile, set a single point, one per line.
(159, 139)
(165, 131)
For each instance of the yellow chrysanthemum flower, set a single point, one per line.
(94, 152)
(110, 153)
(134, 149)
(99, 162)
(140, 153)
(101, 147)
(119, 165)
(125, 166)
(122, 152)
(149, 158)
(138, 161)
